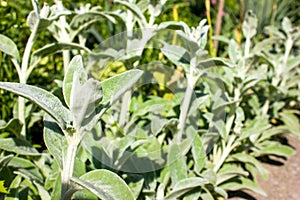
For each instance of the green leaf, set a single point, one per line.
(36, 22)
(234, 51)
(2, 188)
(185, 185)
(115, 86)
(42, 192)
(46, 100)
(241, 184)
(249, 25)
(84, 101)
(135, 10)
(26, 168)
(198, 152)
(82, 21)
(13, 125)
(14, 188)
(291, 122)
(54, 48)
(4, 161)
(177, 55)
(18, 146)
(9, 47)
(287, 25)
(277, 150)
(229, 171)
(177, 160)
(54, 141)
(105, 184)
(245, 158)
(76, 65)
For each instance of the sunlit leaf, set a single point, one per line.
(105, 184)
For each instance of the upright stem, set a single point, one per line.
(247, 47)
(68, 168)
(184, 108)
(124, 108)
(63, 35)
(23, 76)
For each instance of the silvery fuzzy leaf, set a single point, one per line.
(249, 25)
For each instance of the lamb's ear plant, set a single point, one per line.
(87, 100)
(38, 21)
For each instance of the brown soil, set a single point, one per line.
(284, 179)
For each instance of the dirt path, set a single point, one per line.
(284, 179)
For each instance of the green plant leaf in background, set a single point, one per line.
(185, 185)
(9, 47)
(105, 184)
(2, 188)
(115, 86)
(18, 146)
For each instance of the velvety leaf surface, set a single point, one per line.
(105, 184)
(46, 100)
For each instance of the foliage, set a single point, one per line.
(147, 113)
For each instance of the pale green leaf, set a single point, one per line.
(185, 185)
(14, 188)
(76, 65)
(241, 184)
(18, 146)
(26, 168)
(9, 47)
(46, 100)
(250, 24)
(105, 184)
(42, 192)
(115, 86)
(198, 152)
(81, 21)
(177, 161)
(54, 140)
(245, 158)
(54, 48)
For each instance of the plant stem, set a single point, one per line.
(68, 167)
(247, 47)
(225, 153)
(184, 108)
(23, 76)
(63, 35)
(124, 108)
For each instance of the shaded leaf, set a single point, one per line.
(54, 48)
(13, 125)
(241, 184)
(18, 146)
(54, 140)
(185, 185)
